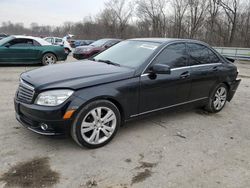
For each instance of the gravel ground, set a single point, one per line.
(183, 148)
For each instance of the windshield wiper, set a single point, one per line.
(108, 62)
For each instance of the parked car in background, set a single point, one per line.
(68, 39)
(131, 79)
(60, 42)
(83, 52)
(83, 42)
(72, 43)
(29, 50)
(54, 40)
(2, 35)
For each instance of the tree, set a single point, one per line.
(180, 8)
(109, 22)
(197, 12)
(153, 11)
(217, 22)
(231, 9)
(122, 11)
(212, 21)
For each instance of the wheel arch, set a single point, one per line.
(227, 84)
(220, 82)
(110, 99)
(50, 52)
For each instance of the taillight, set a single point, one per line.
(66, 50)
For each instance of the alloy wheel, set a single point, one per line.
(49, 60)
(220, 98)
(98, 125)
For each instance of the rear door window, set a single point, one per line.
(35, 43)
(200, 54)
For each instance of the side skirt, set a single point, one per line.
(167, 107)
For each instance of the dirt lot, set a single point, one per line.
(185, 148)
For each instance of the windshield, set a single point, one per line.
(99, 42)
(128, 53)
(5, 40)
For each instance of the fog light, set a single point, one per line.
(44, 126)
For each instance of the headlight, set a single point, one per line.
(53, 97)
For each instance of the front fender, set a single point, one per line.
(124, 93)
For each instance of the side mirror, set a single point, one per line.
(161, 69)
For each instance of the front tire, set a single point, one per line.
(96, 124)
(217, 99)
(49, 59)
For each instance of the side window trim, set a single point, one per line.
(145, 71)
(192, 66)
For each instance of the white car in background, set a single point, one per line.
(60, 42)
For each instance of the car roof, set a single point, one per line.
(24, 37)
(39, 40)
(167, 40)
(53, 37)
(111, 39)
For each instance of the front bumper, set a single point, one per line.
(33, 116)
(233, 87)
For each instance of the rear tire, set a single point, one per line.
(96, 124)
(49, 59)
(217, 99)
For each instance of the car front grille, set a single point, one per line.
(25, 92)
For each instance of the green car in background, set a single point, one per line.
(29, 50)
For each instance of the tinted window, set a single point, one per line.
(58, 40)
(21, 43)
(174, 56)
(200, 54)
(213, 58)
(35, 43)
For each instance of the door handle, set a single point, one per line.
(185, 75)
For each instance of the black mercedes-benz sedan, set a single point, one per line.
(91, 99)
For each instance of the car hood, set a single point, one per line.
(80, 49)
(75, 75)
